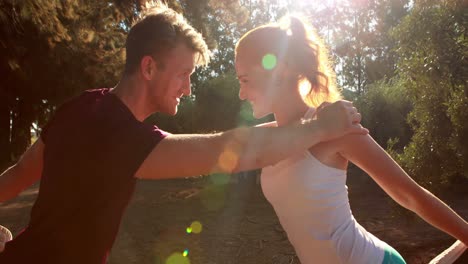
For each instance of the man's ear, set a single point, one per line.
(147, 67)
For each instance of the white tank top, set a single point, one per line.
(311, 201)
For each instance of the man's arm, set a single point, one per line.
(24, 173)
(246, 148)
(268, 124)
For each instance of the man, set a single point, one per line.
(95, 147)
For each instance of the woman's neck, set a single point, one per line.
(290, 110)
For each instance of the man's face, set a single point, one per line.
(171, 80)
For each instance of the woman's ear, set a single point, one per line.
(279, 74)
(284, 71)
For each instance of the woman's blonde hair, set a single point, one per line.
(293, 41)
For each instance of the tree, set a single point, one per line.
(51, 50)
(384, 108)
(433, 49)
(359, 35)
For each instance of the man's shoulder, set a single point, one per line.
(92, 95)
(85, 95)
(97, 91)
(89, 104)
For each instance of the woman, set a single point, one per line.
(283, 69)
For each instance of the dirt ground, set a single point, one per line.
(238, 224)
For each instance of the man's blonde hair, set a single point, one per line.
(158, 30)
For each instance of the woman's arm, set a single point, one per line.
(363, 151)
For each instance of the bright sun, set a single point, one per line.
(300, 5)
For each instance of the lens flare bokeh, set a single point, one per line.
(177, 258)
(196, 227)
(269, 61)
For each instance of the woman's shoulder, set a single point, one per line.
(338, 144)
(328, 153)
(334, 152)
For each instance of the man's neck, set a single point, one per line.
(132, 93)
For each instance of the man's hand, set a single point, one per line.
(338, 119)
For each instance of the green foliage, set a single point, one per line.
(433, 67)
(216, 108)
(358, 33)
(51, 50)
(217, 105)
(384, 108)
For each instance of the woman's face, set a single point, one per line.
(256, 86)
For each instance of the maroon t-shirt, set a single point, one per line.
(93, 147)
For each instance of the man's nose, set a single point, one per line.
(187, 88)
(242, 94)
